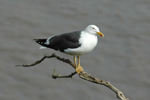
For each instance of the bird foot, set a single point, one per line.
(79, 69)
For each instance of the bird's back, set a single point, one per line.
(61, 42)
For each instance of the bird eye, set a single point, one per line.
(93, 28)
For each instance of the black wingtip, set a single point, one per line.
(35, 40)
(40, 41)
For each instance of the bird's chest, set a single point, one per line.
(88, 42)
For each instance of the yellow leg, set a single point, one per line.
(79, 68)
(74, 58)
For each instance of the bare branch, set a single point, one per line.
(90, 78)
(60, 76)
(52, 56)
(82, 75)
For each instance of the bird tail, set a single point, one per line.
(41, 42)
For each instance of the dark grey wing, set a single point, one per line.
(64, 41)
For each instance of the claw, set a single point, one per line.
(79, 69)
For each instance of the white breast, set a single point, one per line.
(88, 43)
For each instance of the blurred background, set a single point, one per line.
(122, 57)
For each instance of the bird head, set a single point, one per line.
(93, 29)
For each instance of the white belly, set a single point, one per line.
(88, 43)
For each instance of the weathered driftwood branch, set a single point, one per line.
(82, 75)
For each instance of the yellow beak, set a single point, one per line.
(100, 33)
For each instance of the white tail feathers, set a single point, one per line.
(42, 47)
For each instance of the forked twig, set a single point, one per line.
(82, 75)
(43, 58)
